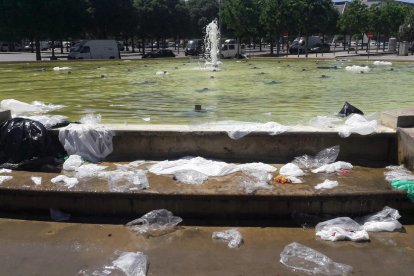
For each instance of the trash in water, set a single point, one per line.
(385, 220)
(327, 184)
(342, 228)
(232, 236)
(357, 69)
(57, 68)
(334, 167)
(190, 177)
(349, 109)
(90, 140)
(4, 178)
(57, 215)
(325, 156)
(27, 145)
(382, 63)
(120, 181)
(305, 259)
(37, 180)
(155, 223)
(70, 182)
(73, 162)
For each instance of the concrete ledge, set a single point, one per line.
(202, 206)
(406, 147)
(398, 118)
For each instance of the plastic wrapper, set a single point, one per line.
(291, 169)
(155, 223)
(357, 69)
(91, 141)
(4, 178)
(120, 181)
(383, 221)
(398, 173)
(325, 156)
(342, 228)
(239, 130)
(254, 180)
(72, 163)
(304, 259)
(334, 167)
(132, 264)
(327, 184)
(27, 145)
(88, 171)
(357, 124)
(37, 180)
(69, 182)
(190, 177)
(232, 236)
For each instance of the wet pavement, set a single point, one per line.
(52, 248)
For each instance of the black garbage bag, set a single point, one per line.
(349, 109)
(26, 145)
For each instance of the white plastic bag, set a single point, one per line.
(327, 184)
(37, 180)
(302, 258)
(342, 228)
(121, 181)
(132, 264)
(291, 169)
(73, 162)
(69, 182)
(334, 167)
(154, 223)
(232, 236)
(325, 156)
(4, 178)
(357, 123)
(398, 173)
(190, 177)
(385, 220)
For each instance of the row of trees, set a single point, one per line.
(160, 19)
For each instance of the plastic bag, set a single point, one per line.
(91, 141)
(26, 145)
(302, 258)
(291, 169)
(349, 109)
(37, 180)
(155, 223)
(73, 162)
(5, 171)
(190, 177)
(18, 108)
(88, 171)
(342, 228)
(254, 180)
(385, 220)
(404, 185)
(49, 121)
(120, 181)
(69, 182)
(327, 184)
(334, 167)
(398, 173)
(4, 178)
(357, 124)
(232, 236)
(323, 157)
(132, 264)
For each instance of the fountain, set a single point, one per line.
(212, 44)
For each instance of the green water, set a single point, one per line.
(287, 92)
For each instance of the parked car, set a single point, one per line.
(10, 47)
(159, 54)
(194, 47)
(321, 48)
(44, 45)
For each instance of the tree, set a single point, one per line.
(201, 12)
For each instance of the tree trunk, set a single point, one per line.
(37, 43)
(143, 46)
(278, 45)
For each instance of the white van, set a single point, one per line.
(299, 44)
(95, 49)
(229, 49)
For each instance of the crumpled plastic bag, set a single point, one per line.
(120, 181)
(69, 182)
(154, 223)
(398, 173)
(5, 171)
(291, 169)
(37, 180)
(334, 167)
(305, 259)
(88, 171)
(385, 220)
(327, 184)
(132, 264)
(342, 228)
(73, 162)
(232, 236)
(90, 140)
(325, 156)
(190, 177)
(4, 178)
(357, 123)
(254, 180)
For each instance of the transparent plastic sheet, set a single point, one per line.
(237, 131)
(357, 123)
(254, 180)
(89, 171)
(120, 181)
(384, 220)
(69, 182)
(191, 177)
(304, 259)
(48, 120)
(18, 108)
(334, 167)
(90, 140)
(325, 156)
(128, 264)
(398, 173)
(155, 223)
(342, 228)
(73, 162)
(232, 236)
(4, 178)
(327, 184)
